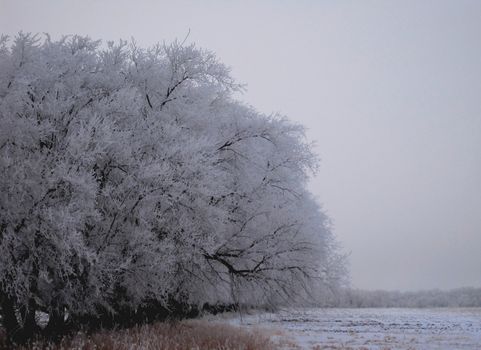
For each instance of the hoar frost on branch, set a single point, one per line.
(131, 175)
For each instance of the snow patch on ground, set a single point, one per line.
(371, 329)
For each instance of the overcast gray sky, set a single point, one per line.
(389, 90)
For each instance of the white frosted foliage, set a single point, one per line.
(130, 175)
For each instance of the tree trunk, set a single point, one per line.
(9, 319)
(56, 324)
(30, 327)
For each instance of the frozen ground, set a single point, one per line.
(446, 328)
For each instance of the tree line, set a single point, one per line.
(356, 298)
(133, 183)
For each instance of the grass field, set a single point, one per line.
(186, 335)
(316, 329)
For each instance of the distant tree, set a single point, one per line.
(131, 175)
(460, 297)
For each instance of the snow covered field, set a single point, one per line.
(447, 328)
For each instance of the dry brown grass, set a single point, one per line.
(186, 335)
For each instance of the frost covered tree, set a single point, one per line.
(131, 175)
